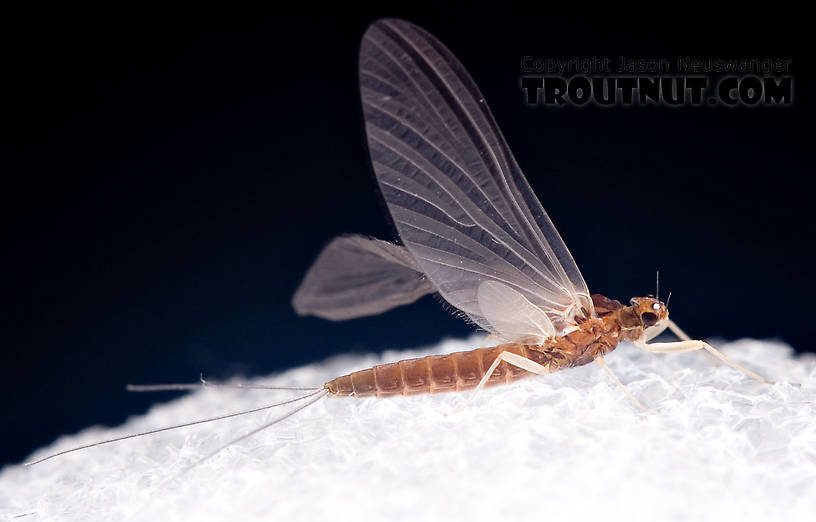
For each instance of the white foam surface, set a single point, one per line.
(567, 446)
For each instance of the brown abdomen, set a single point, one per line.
(435, 373)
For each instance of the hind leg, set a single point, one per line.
(511, 358)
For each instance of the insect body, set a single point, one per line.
(472, 230)
(594, 337)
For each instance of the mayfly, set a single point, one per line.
(472, 230)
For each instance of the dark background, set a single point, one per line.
(171, 176)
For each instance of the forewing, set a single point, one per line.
(459, 200)
(355, 276)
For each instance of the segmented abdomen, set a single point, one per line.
(436, 373)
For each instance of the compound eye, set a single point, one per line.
(656, 307)
(648, 318)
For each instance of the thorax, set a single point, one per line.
(593, 337)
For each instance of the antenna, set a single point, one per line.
(668, 299)
(657, 285)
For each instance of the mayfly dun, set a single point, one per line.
(472, 230)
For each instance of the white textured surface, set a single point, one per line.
(568, 446)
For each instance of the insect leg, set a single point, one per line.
(512, 358)
(692, 345)
(654, 331)
(685, 337)
(608, 370)
(677, 331)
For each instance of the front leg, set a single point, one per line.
(692, 345)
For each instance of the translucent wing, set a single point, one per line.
(355, 276)
(459, 200)
(511, 315)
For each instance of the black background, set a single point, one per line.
(171, 177)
